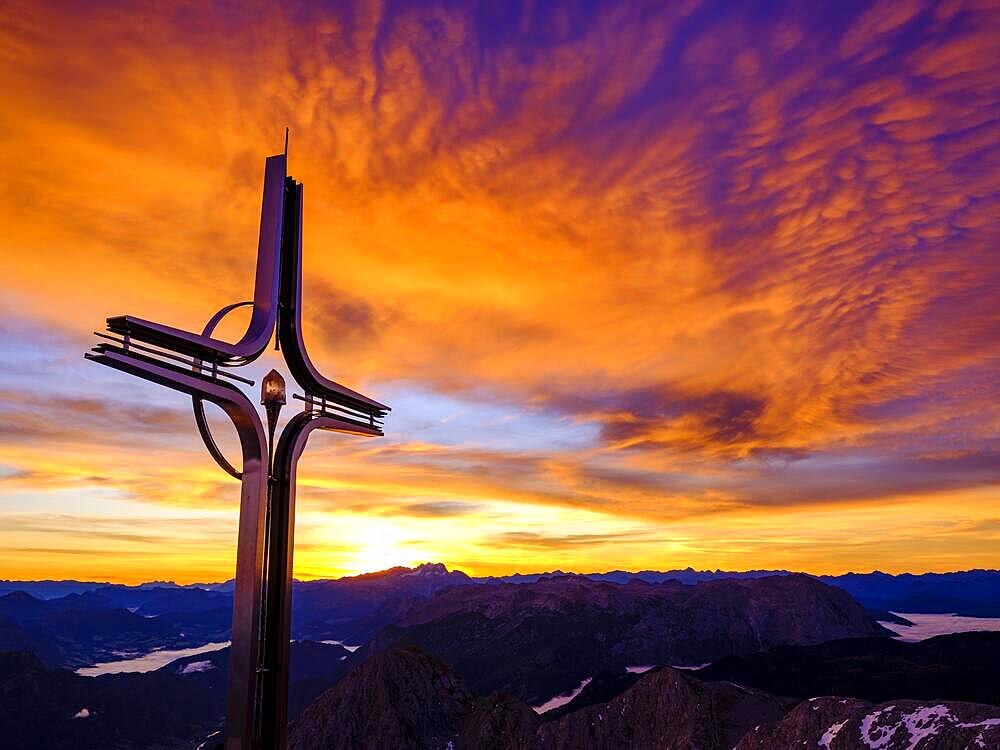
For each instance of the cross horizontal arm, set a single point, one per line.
(242, 708)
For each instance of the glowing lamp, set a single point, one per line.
(272, 389)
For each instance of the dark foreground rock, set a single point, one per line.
(849, 724)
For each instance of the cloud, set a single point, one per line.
(746, 250)
(536, 540)
(439, 509)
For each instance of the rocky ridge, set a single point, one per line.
(407, 699)
(536, 640)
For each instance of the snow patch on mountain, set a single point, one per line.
(873, 735)
(197, 666)
(352, 649)
(563, 699)
(831, 734)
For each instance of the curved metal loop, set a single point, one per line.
(199, 405)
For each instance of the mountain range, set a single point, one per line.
(535, 640)
(405, 698)
(482, 652)
(974, 593)
(87, 628)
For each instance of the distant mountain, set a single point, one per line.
(82, 629)
(48, 589)
(973, 593)
(93, 622)
(957, 667)
(105, 622)
(540, 639)
(158, 600)
(686, 575)
(352, 609)
(849, 724)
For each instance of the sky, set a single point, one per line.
(646, 285)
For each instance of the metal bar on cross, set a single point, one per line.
(257, 693)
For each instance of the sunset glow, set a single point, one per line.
(645, 288)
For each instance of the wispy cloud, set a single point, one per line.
(735, 260)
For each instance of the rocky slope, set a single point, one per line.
(536, 640)
(848, 724)
(406, 699)
(664, 709)
(353, 608)
(974, 593)
(82, 629)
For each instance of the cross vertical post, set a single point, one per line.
(198, 365)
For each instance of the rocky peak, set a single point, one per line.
(430, 569)
(666, 708)
(407, 699)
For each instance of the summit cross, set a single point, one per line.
(199, 365)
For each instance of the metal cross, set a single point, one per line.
(197, 364)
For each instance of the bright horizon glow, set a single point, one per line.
(709, 285)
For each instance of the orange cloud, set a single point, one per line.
(745, 260)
